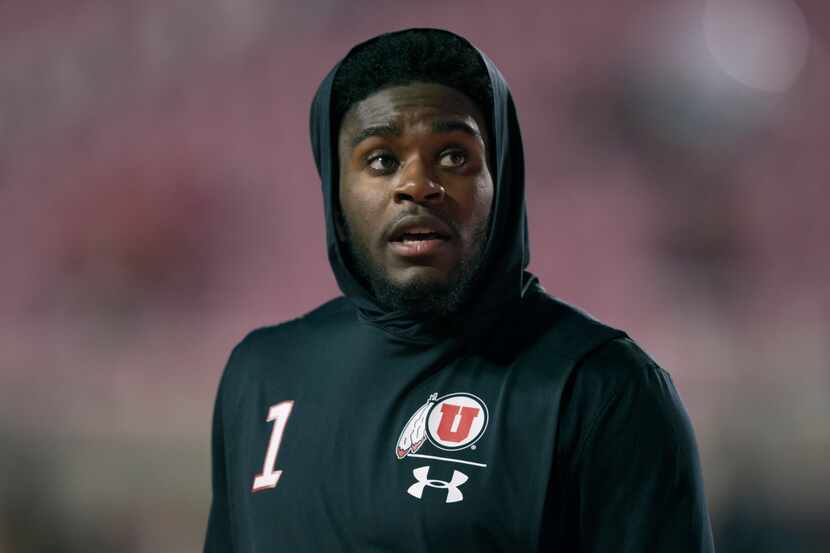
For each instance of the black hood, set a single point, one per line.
(504, 280)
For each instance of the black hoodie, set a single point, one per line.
(524, 425)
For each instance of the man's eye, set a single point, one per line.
(453, 158)
(383, 163)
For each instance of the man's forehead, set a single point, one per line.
(443, 108)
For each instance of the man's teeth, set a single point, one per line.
(412, 237)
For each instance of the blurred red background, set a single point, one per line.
(158, 200)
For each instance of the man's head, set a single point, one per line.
(415, 190)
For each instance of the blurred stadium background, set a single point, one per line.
(158, 200)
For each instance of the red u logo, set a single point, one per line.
(455, 427)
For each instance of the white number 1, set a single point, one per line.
(269, 477)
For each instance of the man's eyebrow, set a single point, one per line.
(390, 129)
(452, 125)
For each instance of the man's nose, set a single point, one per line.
(417, 185)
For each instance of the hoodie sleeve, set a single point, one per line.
(632, 482)
(218, 539)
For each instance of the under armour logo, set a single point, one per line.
(453, 493)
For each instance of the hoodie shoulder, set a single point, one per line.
(319, 320)
(285, 344)
(554, 325)
(299, 334)
(608, 360)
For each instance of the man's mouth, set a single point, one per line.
(418, 242)
(419, 236)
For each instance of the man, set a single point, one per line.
(446, 402)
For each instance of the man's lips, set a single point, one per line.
(419, 247)
(419, 235)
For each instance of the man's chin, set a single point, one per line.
(417, 280)
(419, 296)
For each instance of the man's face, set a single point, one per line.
(415, 194)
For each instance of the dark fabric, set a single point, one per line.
(219, 535)
(581, 442)
(587, 448)
(628, 477)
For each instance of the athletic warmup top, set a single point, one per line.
(524, 425)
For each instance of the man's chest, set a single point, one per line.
(449, 458)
